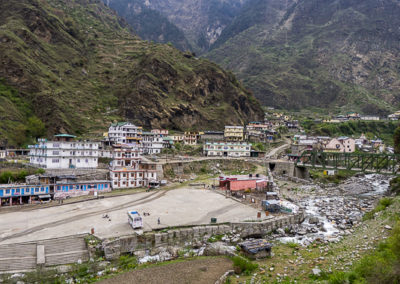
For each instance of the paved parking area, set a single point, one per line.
(185, 206)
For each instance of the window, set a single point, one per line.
(86, 161)
(115, 175)
(42, 189)
(7, 191)
(58, 187)
(17, 190)
(37, 189)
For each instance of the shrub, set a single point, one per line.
(127, 262)
(243, 265)
(395, 185)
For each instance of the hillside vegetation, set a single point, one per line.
(74, 66)
(371, 129)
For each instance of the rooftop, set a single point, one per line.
(65, 136)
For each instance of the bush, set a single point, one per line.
(127, 262)
(395, 185)
(243, 265)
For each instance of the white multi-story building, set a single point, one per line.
(128, 168)
(64, 153)
(227, 149)
(124, 132)
(151, 143)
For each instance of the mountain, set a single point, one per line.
(338, 55)
(149, 24)
(201, 21)
(74, 66)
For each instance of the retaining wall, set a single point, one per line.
(115, 247)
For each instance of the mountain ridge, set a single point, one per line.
(74, 66)
(337, 55)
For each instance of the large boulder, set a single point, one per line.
(219, 248)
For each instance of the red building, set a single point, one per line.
(241, 183)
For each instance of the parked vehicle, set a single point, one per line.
(135, 220)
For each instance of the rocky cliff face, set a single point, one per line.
(337, 54)
(148, 23)
(202, 21)
(75, 66)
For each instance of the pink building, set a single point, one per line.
(241, 183)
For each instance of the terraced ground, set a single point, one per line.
(197, 271)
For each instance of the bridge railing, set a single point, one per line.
(363, 162)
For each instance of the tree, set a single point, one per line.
(36, 127)
(396, 138)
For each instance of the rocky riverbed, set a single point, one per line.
(333, 210)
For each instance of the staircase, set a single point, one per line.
(49, 252)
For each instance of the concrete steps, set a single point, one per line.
(57, 251)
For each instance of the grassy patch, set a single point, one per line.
(243, 265)
(340, 176)
(382, 205)
(380, 266)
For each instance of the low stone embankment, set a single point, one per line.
(193, 236)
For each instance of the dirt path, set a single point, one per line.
(197, 271)
(277, 150)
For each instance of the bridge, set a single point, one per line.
(360, 162)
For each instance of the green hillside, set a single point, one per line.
(74, 66)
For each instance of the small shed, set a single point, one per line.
(271, 205)
(256, 249)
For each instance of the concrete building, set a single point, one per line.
(128, 169)
(394, 116)
(234, 133)
(370, 117)
(212, 136)
(151, 143)
(190, 138)
(163, 132)
(64, 153)
(227, 149)
(177, 137)
(342, 144)
(18, 194)
(243, 182)
(124, 132)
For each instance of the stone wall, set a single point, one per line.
(287, 168)
(115, 247)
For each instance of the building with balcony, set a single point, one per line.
(124, 132)
(128, 169)
(234, 133)
(64, 152)
(190, 138)
(151, 143)
(227, 149)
